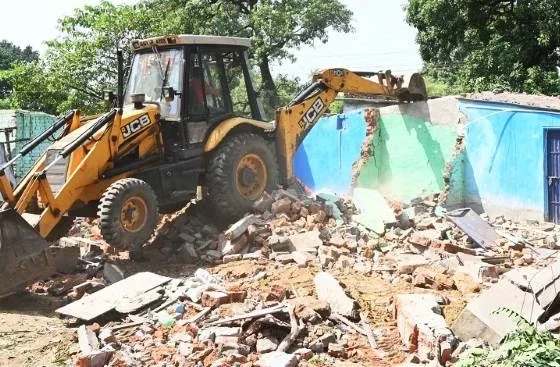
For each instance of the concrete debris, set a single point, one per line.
(422, 327)
(234, 313)
(329, 290)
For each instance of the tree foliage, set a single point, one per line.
(10, 54)
(487, 44)
(82, 60)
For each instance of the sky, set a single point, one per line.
(381, 40)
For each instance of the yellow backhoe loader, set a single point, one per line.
(189, 117)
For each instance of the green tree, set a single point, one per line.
(34, 88)
(9, 54)
(82, 60)
(275, 27)
(486, 44)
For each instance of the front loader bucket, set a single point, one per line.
(23, 253)
(412, 89)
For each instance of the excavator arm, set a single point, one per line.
(294, 121)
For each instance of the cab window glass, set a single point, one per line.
(236, 84)
(214, 94)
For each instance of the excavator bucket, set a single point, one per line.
(412, 88)
(23, 253)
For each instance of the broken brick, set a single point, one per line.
(214, 298)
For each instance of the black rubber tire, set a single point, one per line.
(110, 207)
(220, 176)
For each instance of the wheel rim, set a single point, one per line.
(134, 214)
(251, 176)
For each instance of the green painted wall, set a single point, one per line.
(409, 157)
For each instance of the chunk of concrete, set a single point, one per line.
(329, 290)
(87, 340)
(306, 241)
(477, 320)
(239, 227)
(267, 344)
(277, 359)
(66, 258)
(422, 327)
(543, 283)
(375, 212)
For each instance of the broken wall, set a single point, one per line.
(412, 146)
(323, 162)
(505, 158)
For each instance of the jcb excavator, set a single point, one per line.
(189, 117)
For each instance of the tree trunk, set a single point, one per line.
(269, 93)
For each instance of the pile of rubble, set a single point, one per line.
(206, 320)
(208, 323)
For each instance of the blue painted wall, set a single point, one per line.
(324, 160)
(504, 162)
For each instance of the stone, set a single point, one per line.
(424, 238)
(235, 246)
(66, 258)
(465, 283)
(267, 344)
(407, 263)
(214, 298)
(434, 278)
(479, 271)
(87, 340)
(300, 258)
(224, 335)
(328, 289)
(337, 350)
(324, 342)
(281, 206)
(421, 326)
(477, 320)
(207, 334)
(240, 227)
(345, 262)
(186, 349)
(284, 258)
(305, 241)
(307, 314)
(543, 283)
(337, 241)
(277, 359)
(253, 255)
(264, 203)
(232, 258)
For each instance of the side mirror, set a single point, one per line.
(168, 93)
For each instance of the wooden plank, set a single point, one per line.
(94, 305)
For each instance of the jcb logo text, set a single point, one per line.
(312, 113)
(135, 126)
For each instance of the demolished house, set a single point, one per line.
(405, 237)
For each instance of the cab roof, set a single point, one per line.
(190, 39)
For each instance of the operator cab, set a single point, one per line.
(197, 81)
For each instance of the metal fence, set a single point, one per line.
(17, 127)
